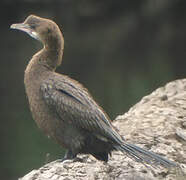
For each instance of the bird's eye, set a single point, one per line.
(48, 30)
(33, 26)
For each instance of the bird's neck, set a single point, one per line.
(48, 58)
(51, 54)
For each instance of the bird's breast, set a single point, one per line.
(39, 109)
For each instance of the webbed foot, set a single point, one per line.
(68, 156)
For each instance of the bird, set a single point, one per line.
(64, 109)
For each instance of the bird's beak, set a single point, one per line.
(26, 28)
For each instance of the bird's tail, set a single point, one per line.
(144, 156)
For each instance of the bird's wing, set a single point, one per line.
(73, 104)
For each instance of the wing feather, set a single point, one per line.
(73, 104)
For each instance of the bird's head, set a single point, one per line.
(42, 29)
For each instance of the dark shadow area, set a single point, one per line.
(119, 50)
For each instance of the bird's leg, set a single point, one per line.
(68, 155)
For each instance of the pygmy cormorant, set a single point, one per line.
(63, 109)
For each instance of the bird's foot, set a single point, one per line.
(69, 156)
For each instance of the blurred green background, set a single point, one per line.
(120, 50)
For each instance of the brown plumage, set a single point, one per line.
(64, 109)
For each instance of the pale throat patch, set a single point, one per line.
(34, 35)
